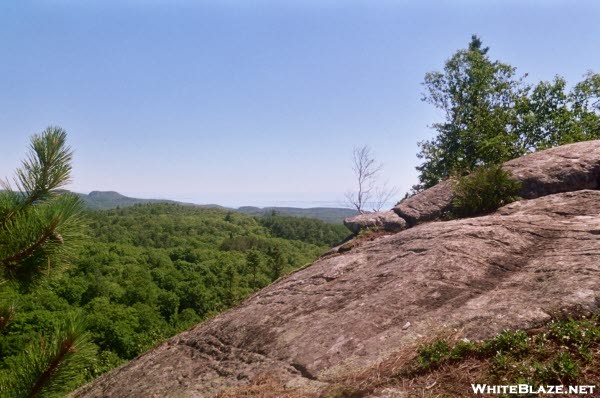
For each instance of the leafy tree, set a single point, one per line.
(550, 115)
(478, 98)
(231, 280)
(168, 304)
(491, 116)
(39, 230)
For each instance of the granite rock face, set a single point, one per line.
(386, 220)
(563, 169)
(427, 205)
(510, 269)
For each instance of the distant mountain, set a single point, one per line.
(104, 200)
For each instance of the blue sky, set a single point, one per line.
(255, 102)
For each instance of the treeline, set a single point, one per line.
(305, 229)
(150, 271)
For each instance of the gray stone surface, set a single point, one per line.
(562, 169)
(427, 205)
(386, 220)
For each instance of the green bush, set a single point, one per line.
(508, 341)
(484, 191)
(433, 354)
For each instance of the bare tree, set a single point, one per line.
(368, 192)
(382, 194)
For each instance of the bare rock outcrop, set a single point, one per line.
(386, 220)
(563, 169)
(510, 269)
(427, 205)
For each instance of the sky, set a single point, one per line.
(255, 102)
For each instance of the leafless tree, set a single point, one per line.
(368, 192)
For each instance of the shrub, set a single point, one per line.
(464, 349)
(508, 341)
(484, 191)
(433, 354)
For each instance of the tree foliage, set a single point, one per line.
(52, 366)
(491, 115)
(307, 230)
(39, 229)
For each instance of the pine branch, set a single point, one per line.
(66, 348)
(48, 231)
(47, 167)
(52, 366)
(21, 255)
(37, 228)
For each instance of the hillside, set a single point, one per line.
(351, 324)
(105, 200)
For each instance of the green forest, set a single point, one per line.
(136, 276)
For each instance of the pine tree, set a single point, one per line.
(276, 262)
(40, 226)
(253, 263)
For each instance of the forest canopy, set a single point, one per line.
(149, 271)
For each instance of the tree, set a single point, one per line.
(369, 192)
(231, 281)
(478, 97)
(276, 262)
(39, 229)
(550, 115)
(491, 116)
(253, 263)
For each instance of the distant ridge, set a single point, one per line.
(105, 200)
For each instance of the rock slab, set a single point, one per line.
(427, 205)
(563, 169)
(386, 220)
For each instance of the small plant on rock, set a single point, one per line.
(484, 191)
